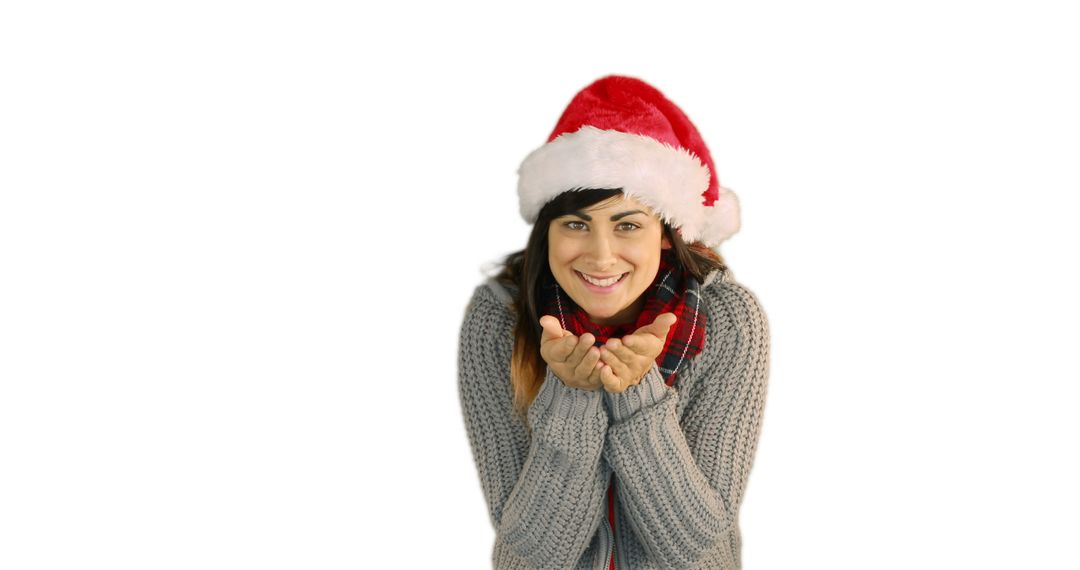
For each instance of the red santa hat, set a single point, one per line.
(620, 132)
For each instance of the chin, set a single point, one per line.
(604, 313)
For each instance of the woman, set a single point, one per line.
(613, 376)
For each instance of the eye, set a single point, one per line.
(632, 226)
(571, 223)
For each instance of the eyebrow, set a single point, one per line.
(614, 218)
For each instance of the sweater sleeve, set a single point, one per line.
(545, 485)
(681, 484)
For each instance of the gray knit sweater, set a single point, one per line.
(680, 455)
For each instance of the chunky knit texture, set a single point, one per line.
(681, 455)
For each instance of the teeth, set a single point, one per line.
(602, 283)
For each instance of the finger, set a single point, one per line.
(660, 326)
(562, 348)
(552, 328)
(581, 348)
(594, 375)
(610, 381)
(587, 366)
(559, 348)
(664, 322)
(617, 365)
(644, 344)
(618, 347)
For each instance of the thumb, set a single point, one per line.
(661, 325)
(552, 328)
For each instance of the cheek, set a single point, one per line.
(560, 253)
(646, 266)
(643, 260)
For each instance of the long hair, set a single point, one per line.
(528, 270)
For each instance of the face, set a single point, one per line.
(607, 256)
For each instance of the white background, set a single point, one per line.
(237, 240)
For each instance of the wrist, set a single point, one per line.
(557, 399)
(650, 391)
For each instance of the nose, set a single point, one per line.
(601, 254)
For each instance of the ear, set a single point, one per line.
(665, 243)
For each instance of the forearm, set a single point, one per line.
(676, 513)
(553, 512)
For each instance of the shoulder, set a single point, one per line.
(735, 314)
(491, 305)
(727, 296)
(506, 293)
(485, 342)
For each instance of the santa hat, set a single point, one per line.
(620, 132)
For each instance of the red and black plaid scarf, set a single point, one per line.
(673, 291)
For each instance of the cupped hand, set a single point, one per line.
(627, 360)
(574, 360)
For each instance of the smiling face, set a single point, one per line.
(606, 256)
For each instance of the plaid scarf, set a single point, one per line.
(673, 291)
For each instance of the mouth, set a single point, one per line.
(601, 285)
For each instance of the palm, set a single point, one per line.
(627, 360)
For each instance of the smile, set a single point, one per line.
(601, 285)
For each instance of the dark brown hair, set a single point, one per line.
(528, 270)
